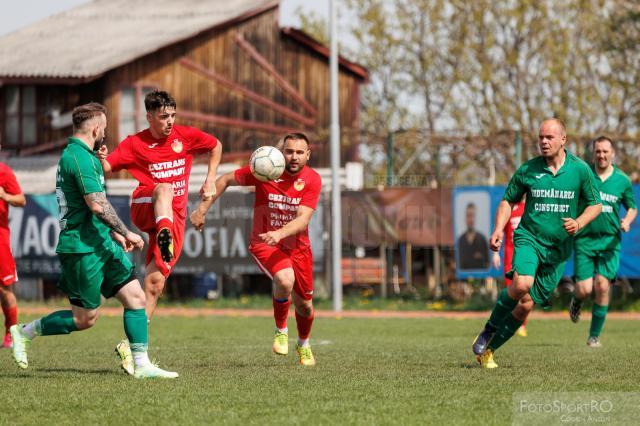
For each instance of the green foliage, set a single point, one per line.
(380, 371)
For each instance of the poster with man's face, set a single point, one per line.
(472, 227)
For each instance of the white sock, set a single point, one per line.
(159, 218)
(283, 330)
(31, 330)
(140, 359)
(303, 343)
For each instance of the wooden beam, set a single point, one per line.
(37, 149)
(235, 122)
(280, 80)
(249, 94)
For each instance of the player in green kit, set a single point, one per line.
(554, 184)
(597, 246)
(91, 249)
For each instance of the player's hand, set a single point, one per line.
(134, 241)
(496, 240)
(208, 190)
(197, 219)
(102, 152)
(3, 194)
(121, 241)
(496, 260)
(271, 238)
(624, 225)
(570, 225)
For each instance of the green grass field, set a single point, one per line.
(370, 371)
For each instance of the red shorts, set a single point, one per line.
(272, 259)
(143, 217)
(8, 273)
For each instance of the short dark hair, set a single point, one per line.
(158, 99)
(470, 205)
(295, 136)
(602, 138)
(86, 112)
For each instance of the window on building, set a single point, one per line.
(132, 112)
(20, 128)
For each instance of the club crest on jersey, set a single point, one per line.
(176, 145)
(299, 185)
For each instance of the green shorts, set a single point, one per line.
(539, 262)
(85, 276)
(588, 262)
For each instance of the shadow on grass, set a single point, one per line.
(102, 371)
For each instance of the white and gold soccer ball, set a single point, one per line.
(267, 163)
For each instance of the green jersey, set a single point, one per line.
(614, 191)
(549, 199)
(79, 173)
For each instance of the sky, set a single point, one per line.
(18, 14)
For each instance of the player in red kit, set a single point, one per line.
(280, 238)
(10, 194)
(509, 228)
(160, 159)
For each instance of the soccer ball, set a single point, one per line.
(267, 163)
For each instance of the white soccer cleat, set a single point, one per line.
(20, 345)
(126, 359)
(151, 371)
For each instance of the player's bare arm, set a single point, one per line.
(102, 156)
(574, 225)
(15, 200)
(297, 225)
(502, 217)
(197, 217)
(627, 220)
(209, 189)
(102, 208)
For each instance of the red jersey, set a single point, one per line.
(10, 185)
(277, 202)
(166, 160)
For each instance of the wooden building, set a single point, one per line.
(233, 71)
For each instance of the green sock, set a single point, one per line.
(135, 327)
(59, 322)
(510, 325)
(503, 308)
(598, 315)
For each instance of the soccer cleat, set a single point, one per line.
(486, 359)
(482, 341)
(20, 345)
(151, 371)
(126, 359)
(165, 244)
(280, 343)
(593, 342)
(574, 309)
(6, 343)
(305, 356)
(522, 331)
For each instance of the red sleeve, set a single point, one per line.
(199, 141)
(244, 177)
(312, 192)
(10, 184)
(123, 156)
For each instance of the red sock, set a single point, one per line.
(165, 222)
(10, 316)
(304, 325)
(281, 312)
(526, 320)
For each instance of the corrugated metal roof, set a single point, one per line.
(91, 39)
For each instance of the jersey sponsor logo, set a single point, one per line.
(153, 145)
(176, 145)
(299, 184)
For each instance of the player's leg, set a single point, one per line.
(508, 266)
(283, 281)
(10, 311)
(302, 262)
(599, 310)
(525, 264)
(584, 268)
(163, 213)
(154, 281)
(136, 328)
